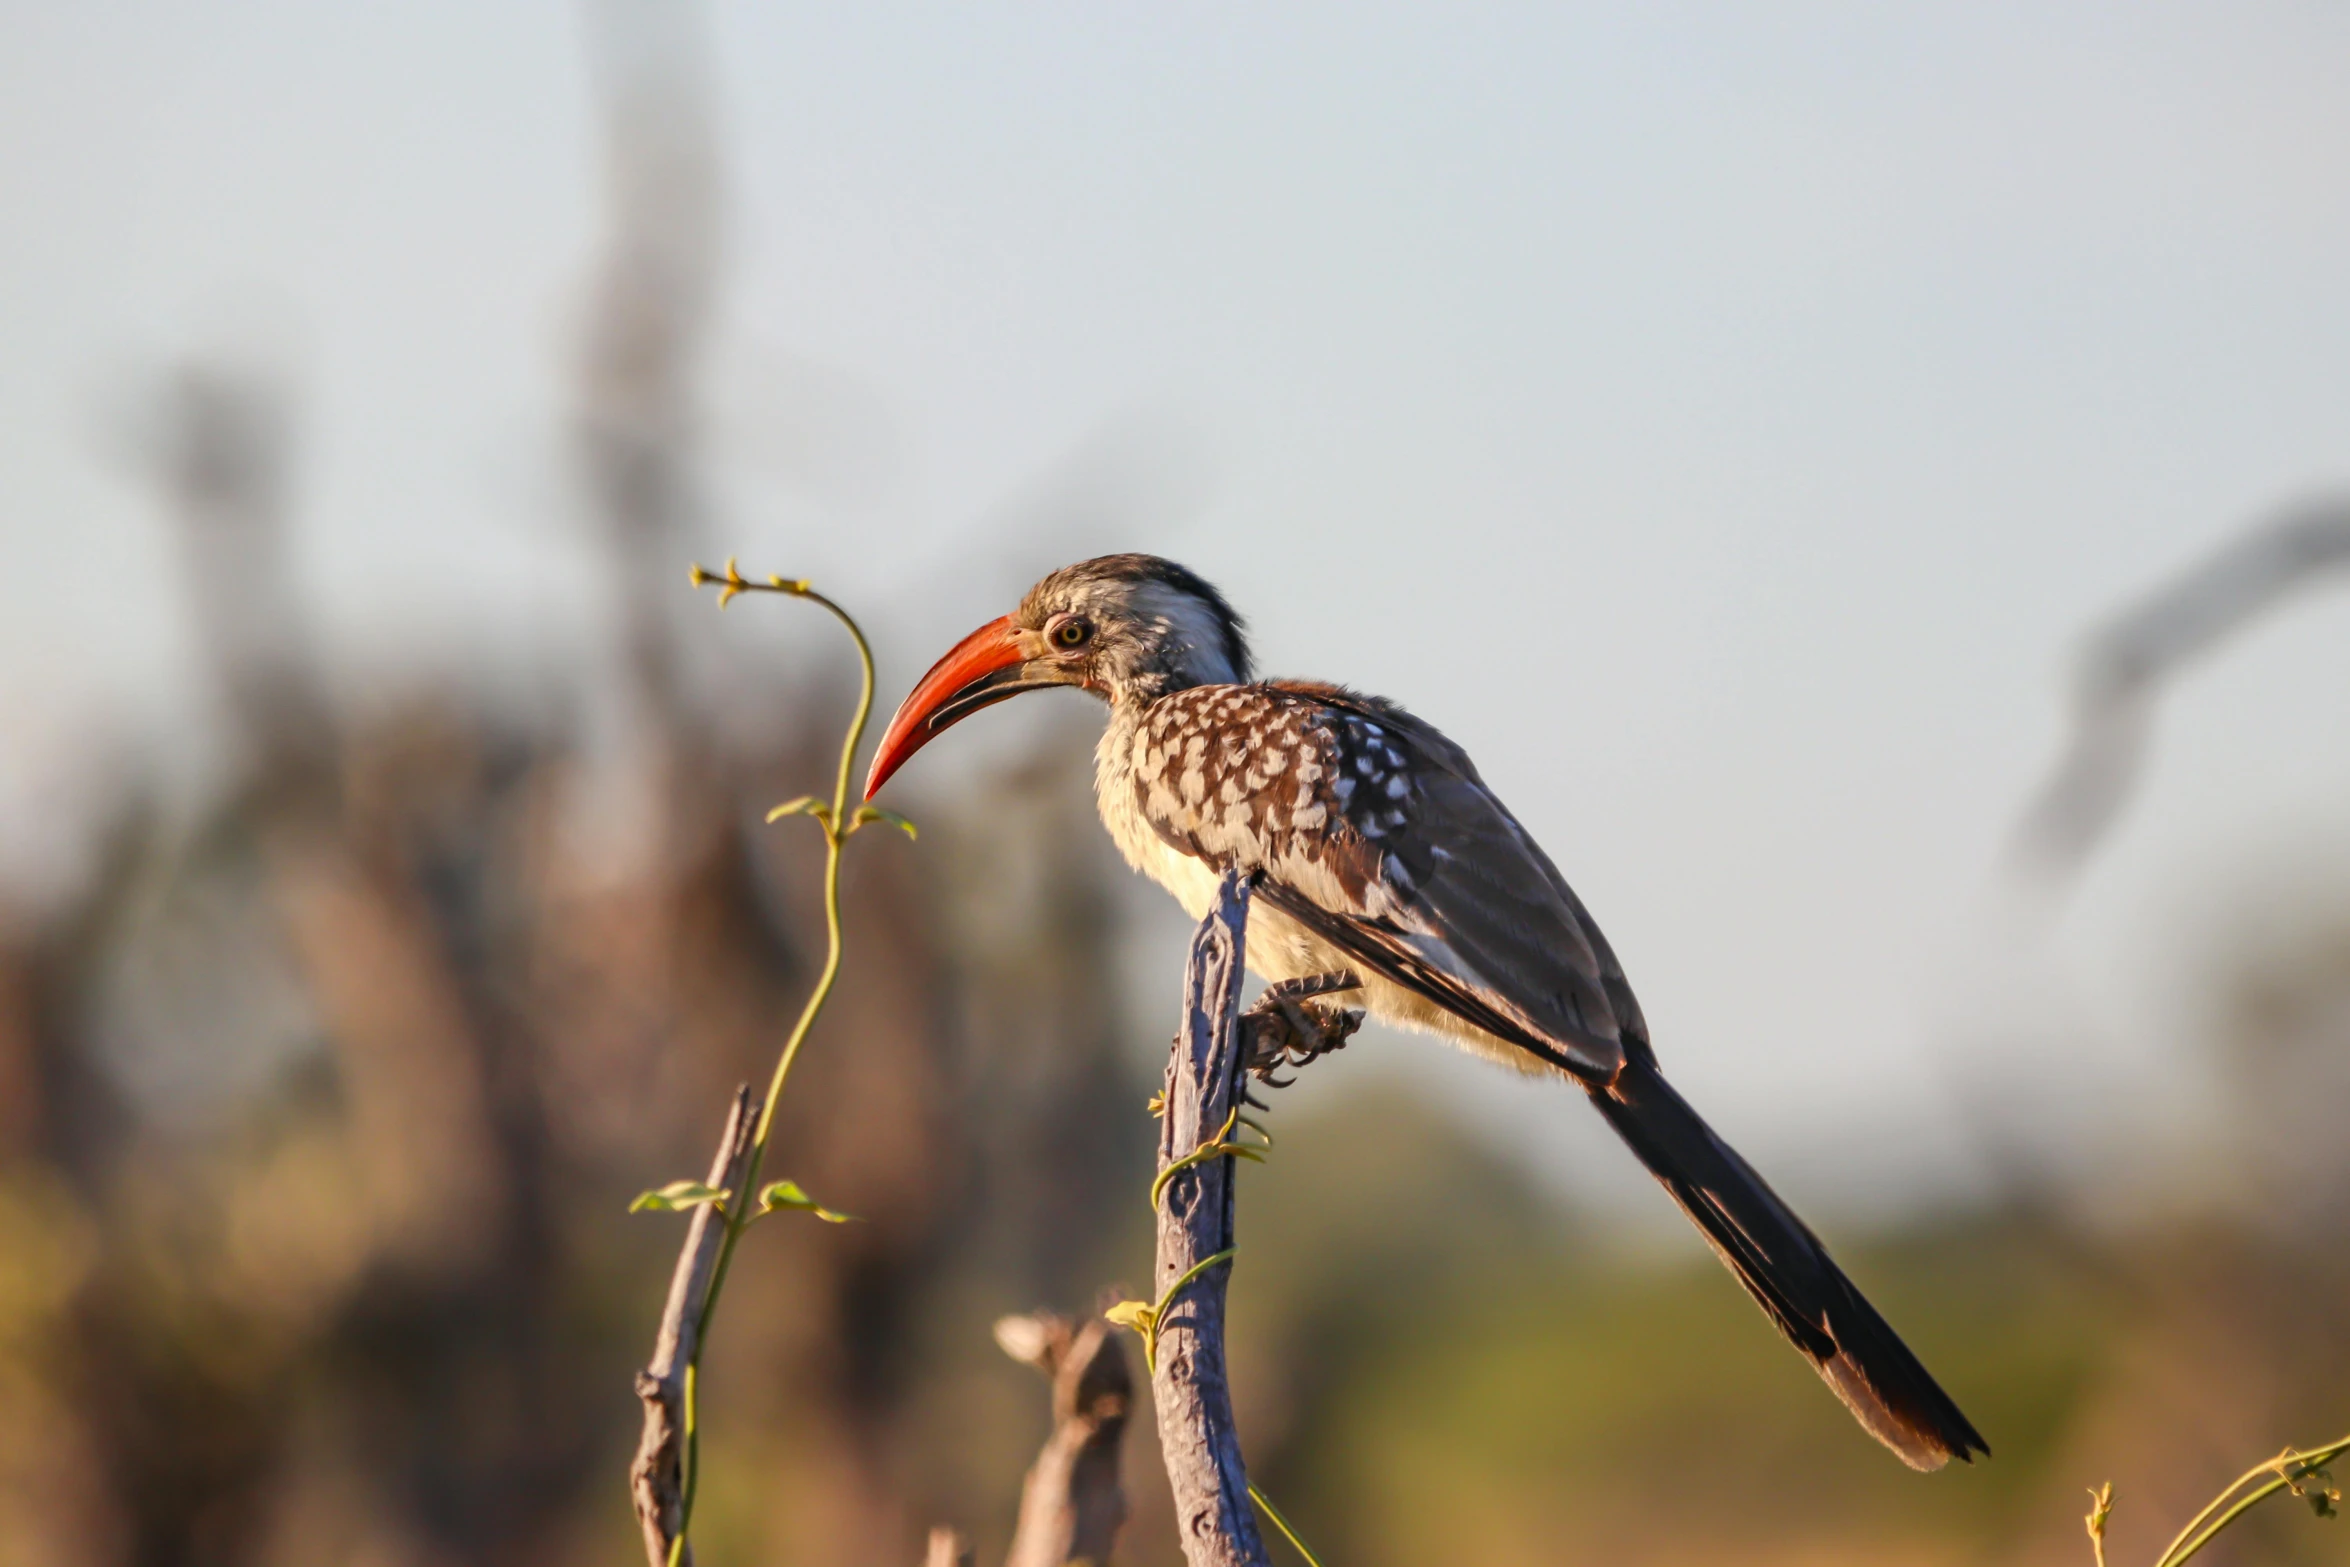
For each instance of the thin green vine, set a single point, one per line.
(838, 825)
(2305, 1474)
(1282, 1524)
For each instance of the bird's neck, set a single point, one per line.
(1180, 660)
(1127, 710)
(1136, 690)
(1113, 780)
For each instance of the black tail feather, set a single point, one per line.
(1786, 1269)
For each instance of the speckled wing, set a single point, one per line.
(1374, 832)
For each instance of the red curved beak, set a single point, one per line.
(979, 671)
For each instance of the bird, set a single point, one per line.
(1382, 864)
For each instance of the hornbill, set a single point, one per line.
(1384, 865)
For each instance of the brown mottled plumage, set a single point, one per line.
(1378, 852)
(1320, 788)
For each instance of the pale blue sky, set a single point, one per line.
(1723, 422)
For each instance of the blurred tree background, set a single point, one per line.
(322, 1093)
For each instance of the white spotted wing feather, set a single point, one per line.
(1379, 851)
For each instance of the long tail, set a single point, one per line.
(1786, 1269)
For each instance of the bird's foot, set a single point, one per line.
(1290, 1027)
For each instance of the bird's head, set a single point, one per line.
(1129, 628)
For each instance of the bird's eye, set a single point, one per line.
(1072, 633)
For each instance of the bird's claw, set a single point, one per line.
(1289, 1027)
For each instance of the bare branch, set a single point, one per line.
(656, 1479)
(1196, 1431)
(1073, 1502)
(2131, 659)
